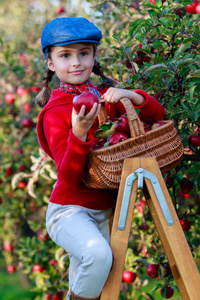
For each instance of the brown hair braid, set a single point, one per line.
(107, 81)
(43, 97)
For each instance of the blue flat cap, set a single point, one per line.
(65, 31)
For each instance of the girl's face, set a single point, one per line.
(72, 63)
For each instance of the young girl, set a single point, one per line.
(78, 217)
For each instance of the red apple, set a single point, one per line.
(152, 270)
(33, 206)
(144, 56)
(1, 181)
(169, 180)
(167, 270)
(140, 206)
(58, 295)
(95, 143)
(122, 126)
(128, 65)
(117, 138)
(147, 127)
(43, 235)
(144, 226)
(27, 122)
(128, 276)
(157, 124)
(35, 89)
(8, 247)
(21, 91)
(11, 269)
(186, 186)
(21, 168)
(153, 1)
(48, 296)
(194, 140)
(145, 251)
(61, 10)
(9, 98)
(191, 8)
(18, 151)
(9, 171)
(86, 98)
(37, 268)
(178, 12)
(27, 108)
(197, 8)
(1, 201)
(185, 224)
(167, 291)
(22, 184)
(53, 262)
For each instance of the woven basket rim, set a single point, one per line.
(150, 133)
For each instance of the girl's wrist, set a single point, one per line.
(136, 99)
(81, 136)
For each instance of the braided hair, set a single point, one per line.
(43, 97)
(98, 70)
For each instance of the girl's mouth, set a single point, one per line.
(78, 72)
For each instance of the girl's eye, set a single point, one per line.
(66, 55)
(83, 53)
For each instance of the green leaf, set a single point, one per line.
(184, 62)
(158, 286)
(166, 22)
(182, 49)
(191, 91)
(195, 73)
(135, 26)
(157, 67)
(105, 126)
(158, 3)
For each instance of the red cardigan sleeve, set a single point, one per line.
(69, 153)
(150, 111)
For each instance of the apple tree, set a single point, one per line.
(155, 48)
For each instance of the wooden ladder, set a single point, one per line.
(143, 173)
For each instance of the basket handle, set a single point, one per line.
(136, 126)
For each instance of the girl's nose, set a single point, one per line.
(76, 61)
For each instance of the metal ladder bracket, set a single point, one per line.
(140, 174)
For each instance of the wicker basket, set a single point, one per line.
(104, 166)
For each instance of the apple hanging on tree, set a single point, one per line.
(128, 276)
(191, 8)
(11, 268)
(9, 98)
(185, 224)
(152, 270)
(167, 291)
(194, 140)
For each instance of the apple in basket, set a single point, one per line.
(116, 138)
(157, 124)
(122, 125)
(147, 126)
(86, 98)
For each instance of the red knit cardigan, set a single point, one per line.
(55, 137)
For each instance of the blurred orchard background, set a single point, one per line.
(152, 45)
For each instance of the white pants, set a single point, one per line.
(84, 233)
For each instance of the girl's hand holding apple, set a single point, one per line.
(82, 123)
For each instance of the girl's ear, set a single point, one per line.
(50, 65)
